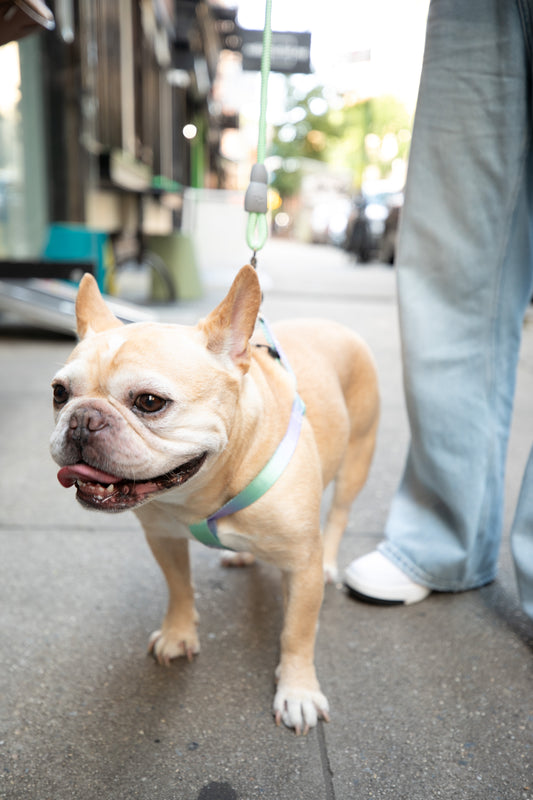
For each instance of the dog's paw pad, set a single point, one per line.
(168, 645)
(300, 708)
(331, 573)
(230, 559)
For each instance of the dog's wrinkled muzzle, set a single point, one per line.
(84, 422)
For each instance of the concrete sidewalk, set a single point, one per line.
(429, 701)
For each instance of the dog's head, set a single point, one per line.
(146, 408)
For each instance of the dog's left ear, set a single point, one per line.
(229, 327)
(92, 314)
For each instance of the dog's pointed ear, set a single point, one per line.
(229, 327)
(92, 314)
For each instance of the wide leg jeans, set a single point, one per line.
(465, 275)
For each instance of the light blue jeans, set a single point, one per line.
(465, 277)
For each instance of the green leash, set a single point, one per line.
(256, 198)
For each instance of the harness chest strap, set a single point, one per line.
(206, 530)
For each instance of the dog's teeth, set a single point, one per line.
(97, 489)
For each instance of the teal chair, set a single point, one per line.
(69, 242)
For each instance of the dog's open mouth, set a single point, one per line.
(106, 492)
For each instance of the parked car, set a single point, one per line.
(387, 252)
(329, 219)
(373, 226)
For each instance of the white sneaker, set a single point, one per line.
(377, 580)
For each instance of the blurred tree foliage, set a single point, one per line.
(338, 136)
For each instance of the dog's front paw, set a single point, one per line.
(165, 645)
(300, 708)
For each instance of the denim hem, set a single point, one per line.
(425, 578)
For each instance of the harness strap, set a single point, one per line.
(275, 345)
(206, 530)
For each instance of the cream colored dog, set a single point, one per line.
(173, 421)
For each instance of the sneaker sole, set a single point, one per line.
(374, 601)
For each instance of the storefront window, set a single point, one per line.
(23, 196)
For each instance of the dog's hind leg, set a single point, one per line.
(351, 477)
(232, 559)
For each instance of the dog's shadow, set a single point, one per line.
(182, 709)
(241, 617)
(239, 604)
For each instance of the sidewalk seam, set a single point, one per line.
(326, 766)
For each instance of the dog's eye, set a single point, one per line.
(60, 394)
(149, 403)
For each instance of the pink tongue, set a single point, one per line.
(67, 476)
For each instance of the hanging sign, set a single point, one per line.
(290, 51)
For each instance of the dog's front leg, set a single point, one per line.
(298, 702)
(178, 635)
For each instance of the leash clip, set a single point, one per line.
(256, 197)
(256, 204)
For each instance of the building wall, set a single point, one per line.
(91, 133)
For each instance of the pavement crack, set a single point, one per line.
(324, 759)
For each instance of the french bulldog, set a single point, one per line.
(173, 421)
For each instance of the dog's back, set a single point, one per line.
(337, 379)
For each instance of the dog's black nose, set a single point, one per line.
(84, 422)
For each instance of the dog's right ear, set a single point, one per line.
(92, 314)
(229, 327)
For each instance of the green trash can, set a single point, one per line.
(177, 253)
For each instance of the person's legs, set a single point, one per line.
(464, 276)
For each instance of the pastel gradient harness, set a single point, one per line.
(206, 530)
